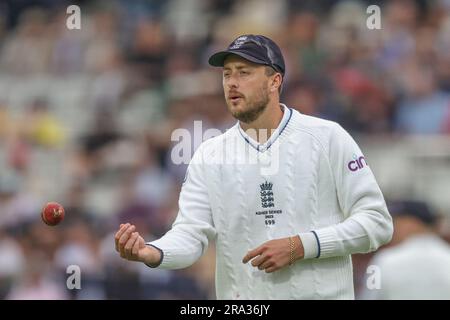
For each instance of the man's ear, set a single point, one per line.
(276, 83)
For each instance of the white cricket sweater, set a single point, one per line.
(310, 178)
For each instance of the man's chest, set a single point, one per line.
(267, 191)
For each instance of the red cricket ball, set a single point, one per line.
(52, 213)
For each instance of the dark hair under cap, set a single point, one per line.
(413, 208)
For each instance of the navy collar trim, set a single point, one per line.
(266, 146)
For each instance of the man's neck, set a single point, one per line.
(262, 128)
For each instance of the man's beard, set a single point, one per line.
(254, 108)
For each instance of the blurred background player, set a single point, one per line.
(416, 265)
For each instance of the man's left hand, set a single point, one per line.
(275, 254)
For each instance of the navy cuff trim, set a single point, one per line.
(318, 243)
(160, 261)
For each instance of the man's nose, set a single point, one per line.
(231, 82)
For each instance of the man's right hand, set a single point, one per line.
(131, 246)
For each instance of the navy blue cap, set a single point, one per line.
(255, 48)
(416, 209)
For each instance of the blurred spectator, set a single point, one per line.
(424, 101)
(417, 264)
(31, 35)
(41, 126)
(12, 263)
(80, 248)
(37, 282)
(5, 121)
(17, 207)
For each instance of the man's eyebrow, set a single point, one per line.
(237, 67)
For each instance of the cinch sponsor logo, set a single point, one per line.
(357, 164)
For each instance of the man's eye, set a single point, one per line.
(243, 72)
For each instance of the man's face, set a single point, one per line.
(246, 88)
(404, 227)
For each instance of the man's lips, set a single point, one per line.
(235, 96)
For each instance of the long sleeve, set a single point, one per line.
(193, 228)
(367, 223)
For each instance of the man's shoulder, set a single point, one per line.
(217, 141)
(314, 122)
(211, 145)
(319, 128)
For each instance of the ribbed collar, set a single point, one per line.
(287, 113)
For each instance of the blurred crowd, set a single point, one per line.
(86, 117)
